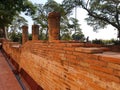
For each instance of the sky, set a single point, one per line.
(107, 33)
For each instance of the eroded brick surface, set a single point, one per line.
(60, 66)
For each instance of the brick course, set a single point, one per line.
(60, 66)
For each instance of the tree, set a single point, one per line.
(67, 24)
(40, 17)
(11, 8)
(15, 37)
(17, 23)
(100, 12)
(14, 33)
(42, 13)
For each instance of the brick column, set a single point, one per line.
(54, 26)
(24, 34)
(35, 32)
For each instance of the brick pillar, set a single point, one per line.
(35, 32)
(54, 26)
(24, 34)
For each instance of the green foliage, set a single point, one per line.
(1, 33)
(10, 8)
(68, 5)
(15, 37)
(42, 36)
(97, 41)
(68, 25)
(42, 12)
(51, 6)
(115, 42)
(100, 12)
(78, 36)
(30, 36)
(17, 23)
(66, 36)
(106, 42)
(28, 8)
(103, 12)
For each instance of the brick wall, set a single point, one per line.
(62, 65)
(114, 48)
(13, 50)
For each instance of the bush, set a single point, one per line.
(15, 37)
(97, 41)
(106, 42)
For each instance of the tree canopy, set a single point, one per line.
(11, 8)
(100, 12)
(67, 24)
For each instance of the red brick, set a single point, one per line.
(89, 50)
(69, 49)
(117, 73)
(96, 87)
(68, 52)
(56, 65)
(84, 64)
(70, 57)
(75, 44)
(107, 77)
(109, 58)
(96, 62)
(102, 69)
(114, 66)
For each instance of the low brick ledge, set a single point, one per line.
(113, 57)
(89, 50)
(26, 80)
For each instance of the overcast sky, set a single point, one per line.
(107, 33)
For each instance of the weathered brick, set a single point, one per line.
(89, 50)
(59, 66)
(84, 64)
(114, 66)
(102, 69)
(109, 58)
(117, 73)
(68, 52)
(107, 77)
(96, 62)
(69, 48)
(96, 87)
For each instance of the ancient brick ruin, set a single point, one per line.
(63, 65)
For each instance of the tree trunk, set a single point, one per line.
(4, 32)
